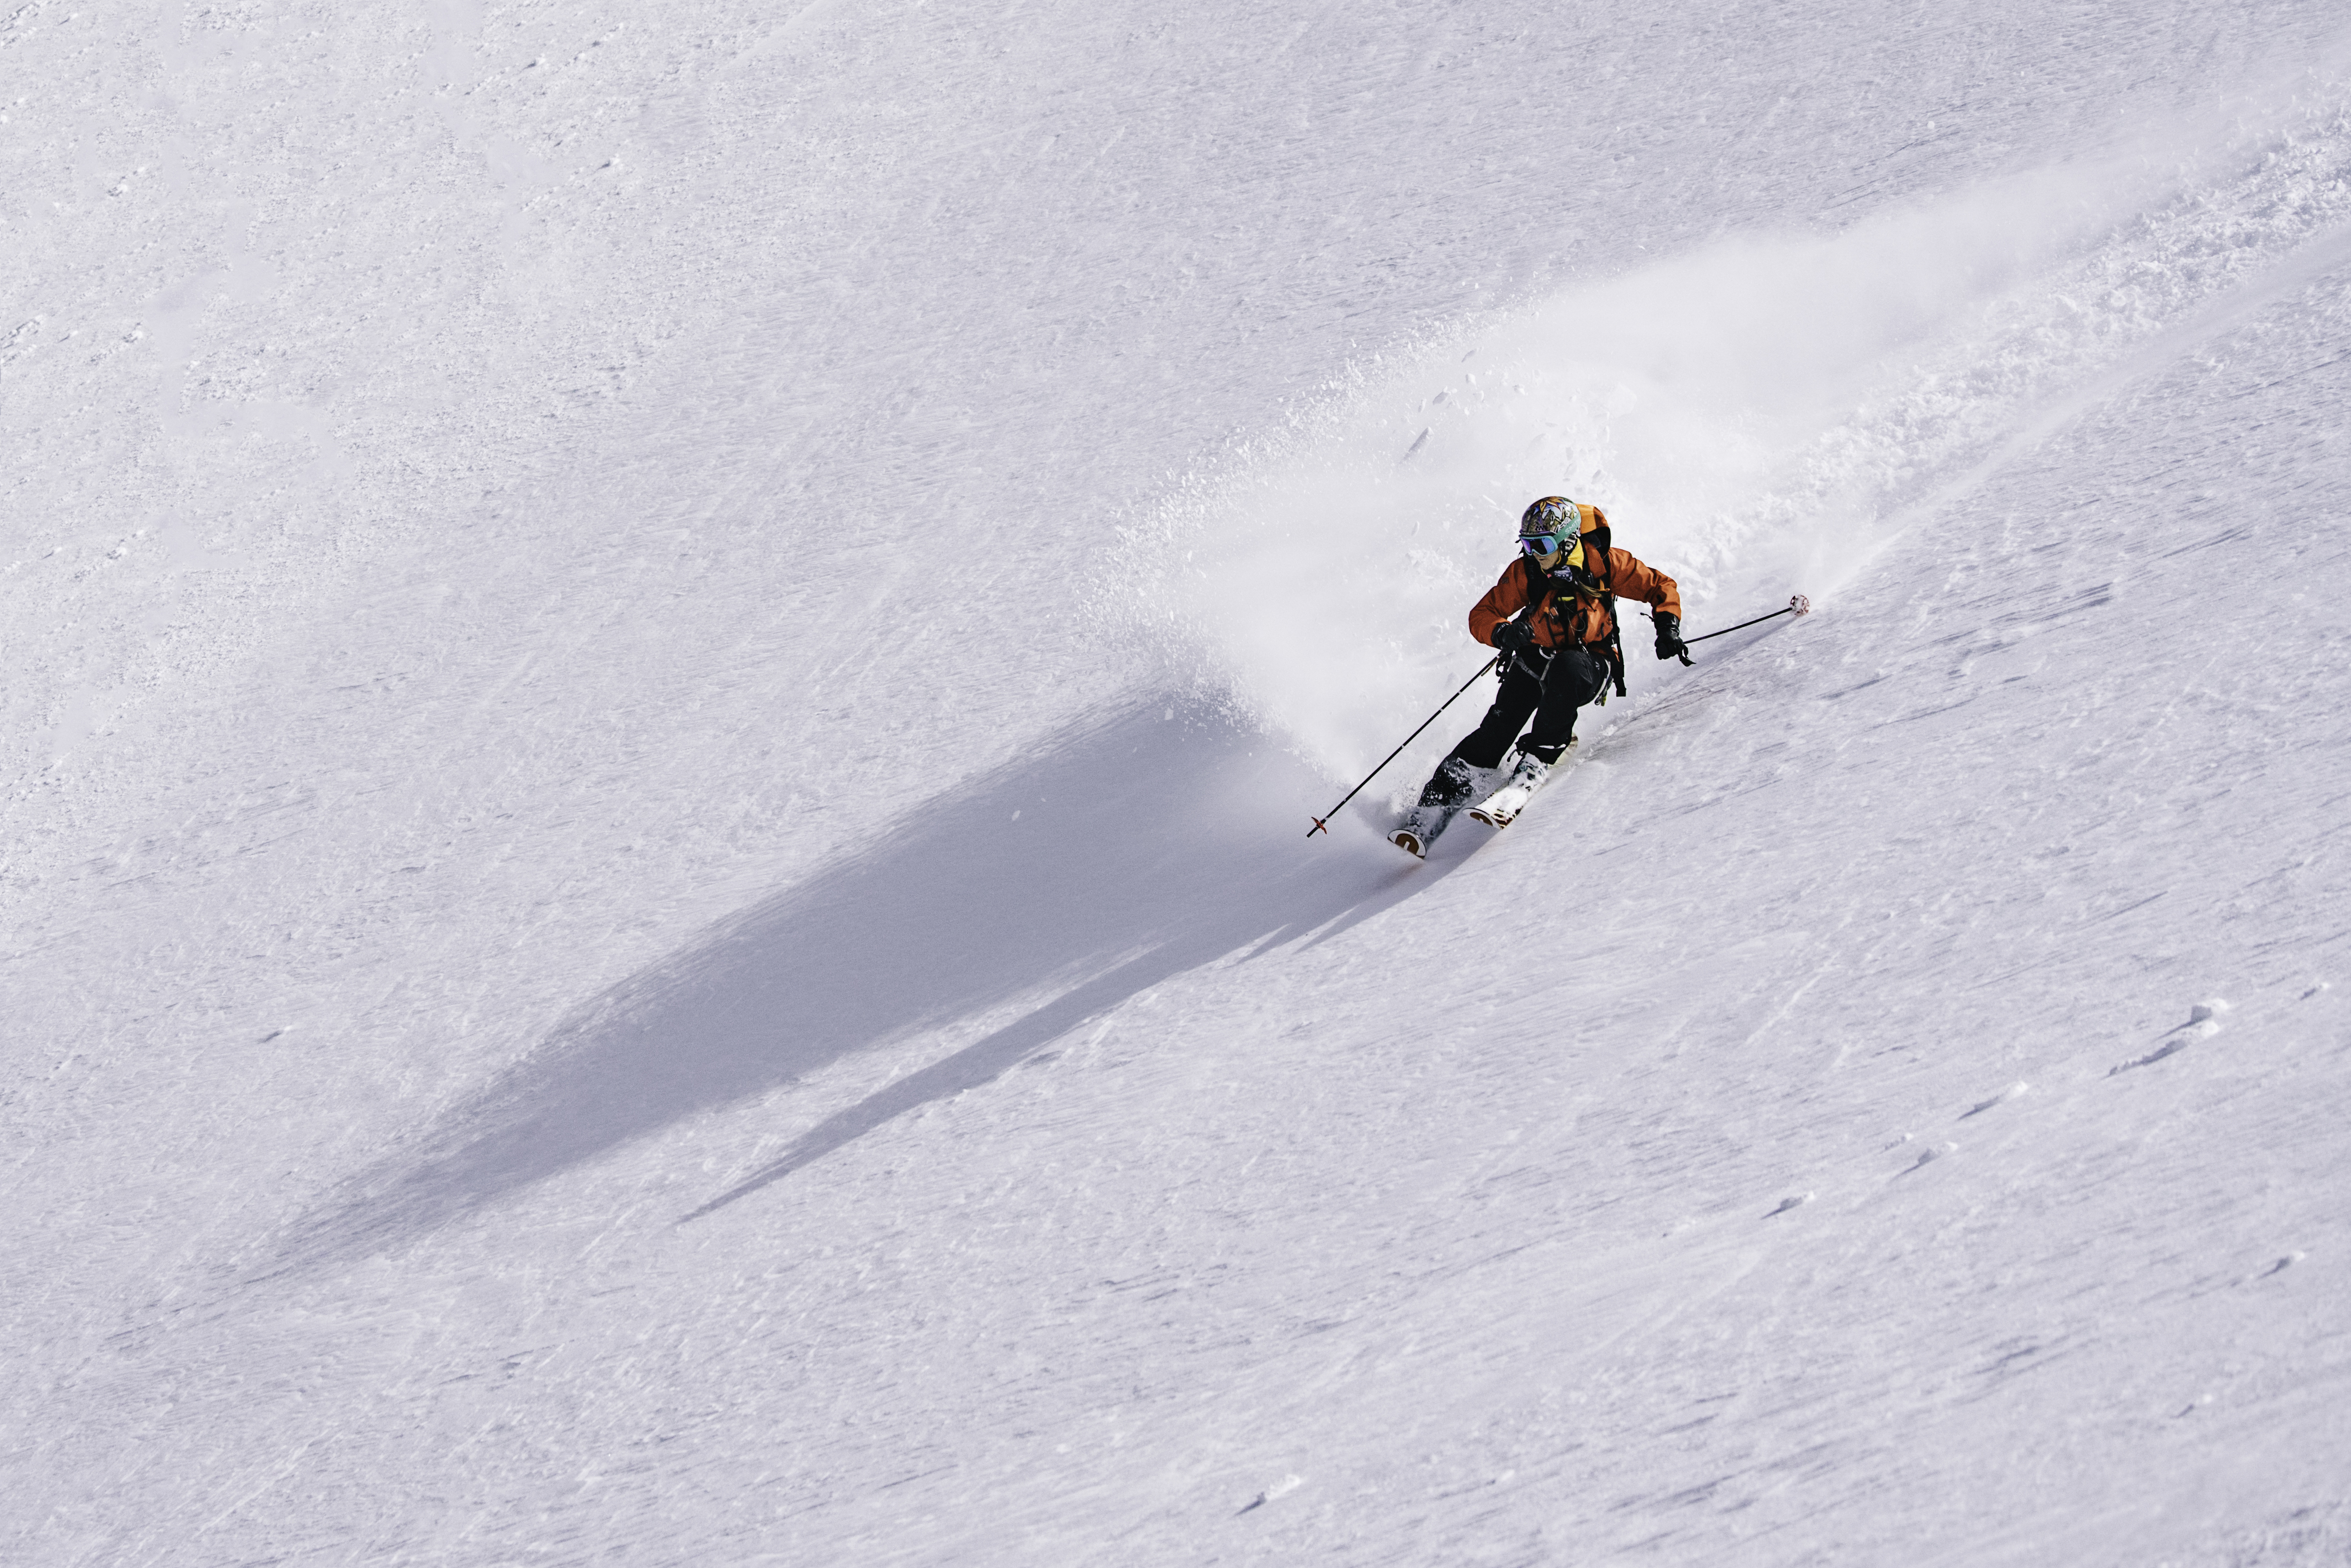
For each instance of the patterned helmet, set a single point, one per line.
(1551, 515)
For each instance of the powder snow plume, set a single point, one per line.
(1757, 416)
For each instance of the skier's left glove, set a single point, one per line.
(1669, 637)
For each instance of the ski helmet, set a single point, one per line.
(1552, 534)
(1551, 515)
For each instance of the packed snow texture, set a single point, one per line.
(667, 666)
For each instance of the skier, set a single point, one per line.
(1554, 659)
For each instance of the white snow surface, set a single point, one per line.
(665, 668)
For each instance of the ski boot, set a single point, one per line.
(1501, 808)
(1448, 790)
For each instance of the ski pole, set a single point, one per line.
(1322, 824)
(1798, 605)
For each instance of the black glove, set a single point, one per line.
(1669, 637)
(1511, 638)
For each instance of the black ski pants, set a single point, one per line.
(1551, 688)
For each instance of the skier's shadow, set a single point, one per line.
(1135, 848)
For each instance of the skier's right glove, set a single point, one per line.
(1670, 637)
(1512, 638)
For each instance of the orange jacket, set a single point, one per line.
(1571, 615)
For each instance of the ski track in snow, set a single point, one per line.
(667, 669)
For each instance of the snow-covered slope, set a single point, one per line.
(666, 671)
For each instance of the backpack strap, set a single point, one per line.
(1614, 646)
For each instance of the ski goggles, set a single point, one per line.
(1537, 545)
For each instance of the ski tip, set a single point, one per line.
(1492, 819)
(1404, 840)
